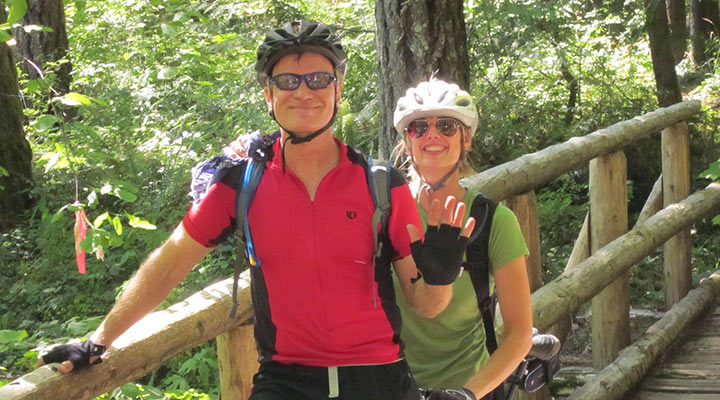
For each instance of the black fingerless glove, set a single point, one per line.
(439, 258)
(77, 353)
(447, 394)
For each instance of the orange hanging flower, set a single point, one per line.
(81, 223)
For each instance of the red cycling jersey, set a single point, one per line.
(316, 299)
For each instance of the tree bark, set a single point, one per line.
(666, 82)
(15, 153)
(416, 40)
(677, 15)
(44, 54)
(704, 24)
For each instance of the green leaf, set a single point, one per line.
(716, 220)
(75, 99)
(4, 172)
(45, 122)
(713, 171)
(167, 72)
(59, 213)
(121, 189)
(117, 224)
(126, 195)
(4, 36)
(17, 11)
(100, 219)
(32, 86)
(8, 336)
(137, 222)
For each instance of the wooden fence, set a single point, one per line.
(597, 268)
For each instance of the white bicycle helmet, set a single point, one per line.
(435, 98)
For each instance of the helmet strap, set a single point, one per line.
(441, 183)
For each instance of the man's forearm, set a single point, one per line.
(163, 270)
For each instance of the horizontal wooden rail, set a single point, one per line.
(536, 169)
(635, 361)
(145, 347)
(573, 288)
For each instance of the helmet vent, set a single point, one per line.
(440, 100)
(419, 99)
(463, 102)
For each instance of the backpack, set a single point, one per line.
(259, 153)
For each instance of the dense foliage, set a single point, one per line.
(160, 84)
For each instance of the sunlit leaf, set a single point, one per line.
(137, 222)
(4, 36)
(117, 224)
(101, 219)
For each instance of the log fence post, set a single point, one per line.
(608, 221)
(237, 362)
(676, 187)
(525, 208)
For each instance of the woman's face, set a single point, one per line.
(435, 153)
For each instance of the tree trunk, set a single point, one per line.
(668, 88)
(43, 54)
(15, 154)
(677, 15)
(704, 24)
(416, 40)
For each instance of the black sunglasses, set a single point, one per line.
(419, 127)
(313, 80)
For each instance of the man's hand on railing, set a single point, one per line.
(73, 356)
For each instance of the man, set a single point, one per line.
(326, 323)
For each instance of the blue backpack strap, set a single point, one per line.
(245, 192)
(478, 265)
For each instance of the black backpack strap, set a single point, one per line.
(245, 192)
(379, 182)
(478, 265)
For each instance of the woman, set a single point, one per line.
(437, 121)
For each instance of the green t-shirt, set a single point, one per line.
(447, 350)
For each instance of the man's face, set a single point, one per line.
(303, 110)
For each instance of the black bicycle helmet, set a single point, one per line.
(296, 37)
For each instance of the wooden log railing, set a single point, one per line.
(164, 334)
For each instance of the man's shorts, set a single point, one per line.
(276, 381)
